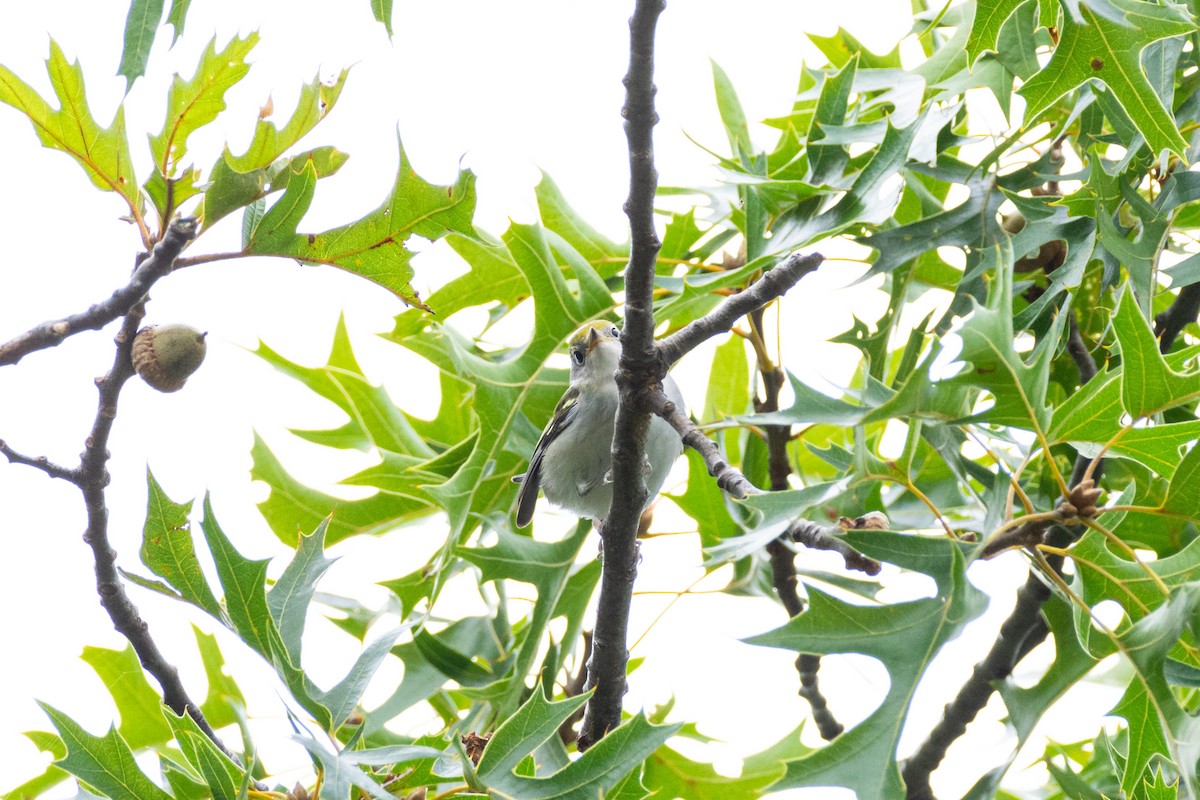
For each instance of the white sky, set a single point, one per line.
(504, 87)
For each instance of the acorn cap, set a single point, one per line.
(165, 355)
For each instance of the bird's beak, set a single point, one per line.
(592, 339)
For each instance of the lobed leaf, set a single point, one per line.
(903, 636)
(168, 550)
(102, 152)
(194, 103)
(104, 763)
(1148, 385)
(1092, 46)
(138, 703)
(373, 246)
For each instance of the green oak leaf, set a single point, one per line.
(1183, 494)
(606, 256)
(990, 16)
(168, 550)
(590, 776)
(827, 162)
(669, 773)
(422, 678)
(842, 46)
(545, 565)
(374, 246)
(220, 773)
(382, 9)
(1096, 47)
(141, 25)
(103, 762)
(290, 597)
(224, 703)
(317, 99)
(1147, 644)
(138, 703)
(194, 103)
(1018, 385)
(972, 223)
(291, 507)
(865, 202)
(903, 636)
(177, 16)
(1148, 385)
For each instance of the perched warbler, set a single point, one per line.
(572, 461)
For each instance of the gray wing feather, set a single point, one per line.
(527, 497)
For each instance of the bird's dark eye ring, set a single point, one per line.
(577, 355)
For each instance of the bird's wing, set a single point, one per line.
(564, 414)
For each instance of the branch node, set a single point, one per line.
(154, 266)
(821, 537)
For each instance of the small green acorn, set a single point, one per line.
(165, 355)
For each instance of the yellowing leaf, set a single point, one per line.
(195, 103)
(102, 152)
(316, 100)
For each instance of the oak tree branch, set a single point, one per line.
(638, 371)
(774, 283)
(92, 476)
(53, 332)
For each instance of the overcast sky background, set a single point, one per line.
(501, 88)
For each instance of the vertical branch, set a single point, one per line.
(640, 373)
(782, 558)
(93, 479)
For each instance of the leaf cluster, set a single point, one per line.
(1055, 252)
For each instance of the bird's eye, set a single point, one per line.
(616, 334)
(577, 355)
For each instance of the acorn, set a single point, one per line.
(165, 355)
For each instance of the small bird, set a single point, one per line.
(572, 460)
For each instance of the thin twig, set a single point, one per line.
(639, 370)
(39, 463)
(1078, 350)
(93, 478)
(774, 283)
(727, 476)
(782, 557)
(53, 332)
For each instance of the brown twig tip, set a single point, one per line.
(475, 744)
(822, 537)
(871, 521)
(1082, 501)
(1023, 536)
